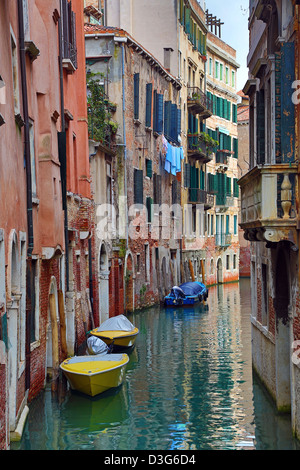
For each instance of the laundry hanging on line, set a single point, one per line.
(174, 155)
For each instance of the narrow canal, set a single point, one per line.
(189, 386)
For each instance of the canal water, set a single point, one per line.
(189, 386)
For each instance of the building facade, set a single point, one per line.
(177, 37)
(137, 240)
(269, 199)
(222, 241)
(243, 167)
(45, 213)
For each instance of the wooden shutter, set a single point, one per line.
(138, 187)
(287, 105)
(187, 175)
(136, 95)
(260, 127)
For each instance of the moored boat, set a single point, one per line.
(118, 332)
(93, 375)
(188, 293)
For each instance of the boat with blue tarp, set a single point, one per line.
(188, 293)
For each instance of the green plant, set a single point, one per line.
(208, 140)
(143, 292)
(99, 117)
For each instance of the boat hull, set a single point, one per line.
(121, 340)
(93, 377)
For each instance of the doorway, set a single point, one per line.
(103, 284)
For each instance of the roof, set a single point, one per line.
(243, 113)
(90, 29)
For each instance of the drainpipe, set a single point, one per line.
(29, 278)
(62, 147)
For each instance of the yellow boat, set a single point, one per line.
(117, 331)
(95, 374)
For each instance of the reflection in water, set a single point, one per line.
(188, 386)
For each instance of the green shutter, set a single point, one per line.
(138, 187)
(149, 168)
(149, 206)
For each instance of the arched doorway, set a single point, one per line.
(282, 333)
(219, 271)
(13, 314)
(129, 283)
(52, 346)
(103, 284)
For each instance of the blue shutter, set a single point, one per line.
(159, 113)
(148, 104)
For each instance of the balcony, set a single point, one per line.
(200, 196)
(268, 203)
(224, 201)
(198, 149)
(199, 103)
(222, 159)
(223, 239)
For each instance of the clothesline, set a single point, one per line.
(174, 155)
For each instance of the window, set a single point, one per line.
(234, 113)
(108, 184)
(210, 66)
(227, 225)
(216, 69)
(149, 168)
(138, 186)
(235, 225)
(32, 159)
(158, 111)
(234, 261)
(138, 263)
(221, 72)
(148, 104)
(149, 206)
(264, 276)
(227, 75)
(136, 81)
(69, 46)
(147, 263)
(14, 57)
(233, 79)
(227, 262)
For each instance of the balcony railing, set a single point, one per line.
(223, 239)
(200, 196)
(198, 149)
(268, 203)
(199, 103)
(226, 200)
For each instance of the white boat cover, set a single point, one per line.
(97, 358)
(118, 323)
(96, 346)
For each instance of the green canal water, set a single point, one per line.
(189, 386)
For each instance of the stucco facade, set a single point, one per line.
(269, 200)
